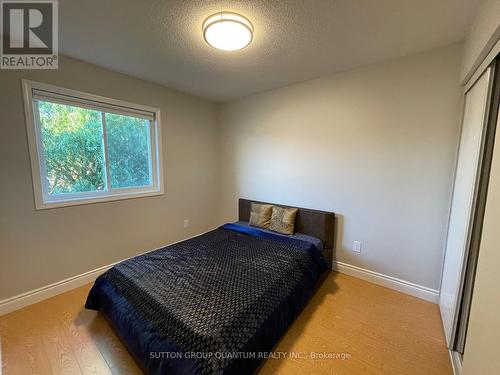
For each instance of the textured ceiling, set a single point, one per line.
(294, 40)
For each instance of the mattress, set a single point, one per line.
(214, 304)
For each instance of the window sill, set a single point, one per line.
(90, 200)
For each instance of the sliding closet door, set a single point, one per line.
(463, 201)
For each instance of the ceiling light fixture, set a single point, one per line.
(227, 31)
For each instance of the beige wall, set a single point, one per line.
(483, 334)
(484, 31)
(42, 247)
(376, 145)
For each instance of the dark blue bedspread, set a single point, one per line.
(213, 304)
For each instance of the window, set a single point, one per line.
(86, 148)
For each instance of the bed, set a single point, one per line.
(217, 303)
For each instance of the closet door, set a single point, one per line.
(463, 202)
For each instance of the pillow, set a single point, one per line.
(260, 215)
(283, 220)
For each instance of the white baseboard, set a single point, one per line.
(25, 299)
(403, 286)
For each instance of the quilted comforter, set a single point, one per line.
(213, 304)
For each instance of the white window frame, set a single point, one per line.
(33, 90)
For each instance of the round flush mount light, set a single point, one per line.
(227, 31)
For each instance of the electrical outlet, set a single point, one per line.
(356, 246)
(186, 223)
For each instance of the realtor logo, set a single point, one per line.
(29, 34)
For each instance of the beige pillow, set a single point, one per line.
(283, 220)
(260, 215)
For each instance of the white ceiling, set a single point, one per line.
(294, 40)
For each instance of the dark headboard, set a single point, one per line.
(320, 224)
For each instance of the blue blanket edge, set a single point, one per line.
(304, 245)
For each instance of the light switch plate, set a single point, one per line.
(356, 246)
(186, 223)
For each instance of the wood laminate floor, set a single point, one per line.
(376, 330)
